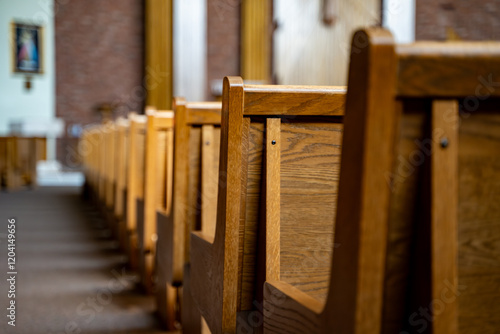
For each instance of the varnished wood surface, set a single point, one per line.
(135, 178)
(157, 147)
(427, 268)
(429, 69)
(18, 158)
(416, 225)
(310, 167)
(192, 192)
(303, 100)
(444, 207)
(225, 270)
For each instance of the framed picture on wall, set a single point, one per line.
(27, 48)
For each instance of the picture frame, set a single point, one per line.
(27, 48)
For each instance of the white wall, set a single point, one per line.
(399, 18)
(306, 51)
(17, 103)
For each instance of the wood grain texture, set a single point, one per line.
(273, 198)
(310, 167)
(406, 215)
(214, 265)
(444, 208)
(361, 226)
(190, 190)
(355, 285)
(210, 142)
(434, 194)
(225, 270)
(156, 150)
(478, 287)
(304, 100)
(429, 69)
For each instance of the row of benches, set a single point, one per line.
(326, 210)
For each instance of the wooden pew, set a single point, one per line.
(89, 150)
(157, 179)
(418, 217)
(121, 168)
(103, 148)
(267, 131)
(106, 148)
(135, 180)
(109, 166)
(101, 164)
(191, 206)
(18, 160)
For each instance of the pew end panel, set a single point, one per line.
(158, 145)
(122, 145)
(417, 222)
(135, 181)
(191, 204)
(227, 270)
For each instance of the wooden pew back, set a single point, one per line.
(416, 219)
(193, 198)
(157, 167)
(109, 159)
(280, 147)
(121, 169)
(135, 180)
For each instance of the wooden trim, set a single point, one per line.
(180, 190)
(272, 191)
(151, 150)
(355, 298)
(305, 103)
(204, 116)
(425, 69)
(229, 200)
(208, 186)
(169, 171)
(135, 125)
(444, 211)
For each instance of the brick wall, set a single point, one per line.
(223, 39)
(99, 59)
(467, 19)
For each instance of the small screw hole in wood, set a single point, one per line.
(444, 142)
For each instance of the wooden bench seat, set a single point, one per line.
(192, 201)
(280, 147)
(418, 218)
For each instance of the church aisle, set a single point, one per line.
(71, 277)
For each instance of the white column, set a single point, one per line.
(190, 49)
(399, 18)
